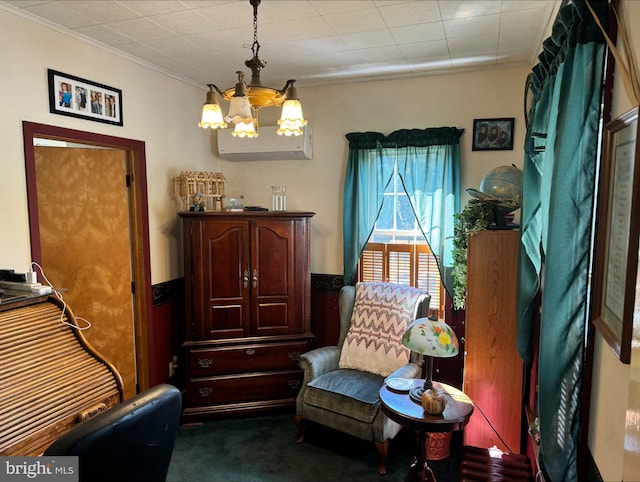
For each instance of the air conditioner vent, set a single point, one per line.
(268, 146)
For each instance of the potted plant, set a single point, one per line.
(475, 216)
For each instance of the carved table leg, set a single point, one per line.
(420, 470)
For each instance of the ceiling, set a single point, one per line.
(317, 42)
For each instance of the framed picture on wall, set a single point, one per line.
(493, 134)
(616, 301)
(75, 97)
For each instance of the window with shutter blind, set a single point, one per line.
(409, 264)
(397, 251)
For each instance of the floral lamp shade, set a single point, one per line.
(431, 337)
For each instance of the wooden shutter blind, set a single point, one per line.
(409, 264)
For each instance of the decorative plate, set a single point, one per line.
(400, 384)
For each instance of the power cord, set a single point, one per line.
(492, 427)
(58, 295)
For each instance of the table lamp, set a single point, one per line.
(432, 338)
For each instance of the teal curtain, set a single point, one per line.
(557, 209)
(428, 163)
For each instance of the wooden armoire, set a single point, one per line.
(247, 283)
(493, 370)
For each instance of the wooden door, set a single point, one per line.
(83, 207)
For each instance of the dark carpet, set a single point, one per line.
(263, 448)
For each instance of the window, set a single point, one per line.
(397, 251)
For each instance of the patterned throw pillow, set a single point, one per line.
(381, 314)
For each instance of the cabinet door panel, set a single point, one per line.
(226, 284)
(493, 369)
(274, 292)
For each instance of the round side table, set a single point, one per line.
(399, 407)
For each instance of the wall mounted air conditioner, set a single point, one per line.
(268, 146)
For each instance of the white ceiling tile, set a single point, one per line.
(425, 51)
(185, 22)
(471, 26)
(314, 46)
(139, 50)
(101, 11)
(519, 20)
(25, 3)
(104, 34)
(147, 8)
(276, 11)
(453, 9)
(228, 15)
(206, 3)
(355, 21)
(60, 14)
(174, 47)
(218, 39)
(477, 45)
(418, 33)
(396, 14)
(369, 39)
(325, 7)
(293, 30)
(511, 5)
(141, 29)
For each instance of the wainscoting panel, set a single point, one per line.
(325, 318)
(165, 332)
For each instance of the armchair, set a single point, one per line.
(131, 441)
(341, 383)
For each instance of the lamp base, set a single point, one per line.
(416, 394)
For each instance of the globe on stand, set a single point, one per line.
(502, 188)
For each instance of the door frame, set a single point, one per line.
(138, 215)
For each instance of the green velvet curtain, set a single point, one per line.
(428, 163)
(557, 210)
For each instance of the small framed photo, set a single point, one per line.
(493, 134)
(75, 97)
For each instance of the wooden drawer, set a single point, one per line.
(244, 387)
(244, 358)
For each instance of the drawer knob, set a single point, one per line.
(294, 356)
(250, 351)
(205, 391)
(205, 362)
(294, 384)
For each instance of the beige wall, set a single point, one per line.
(614, 437)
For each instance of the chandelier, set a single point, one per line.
(245, 100)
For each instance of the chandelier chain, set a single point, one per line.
(255, 47)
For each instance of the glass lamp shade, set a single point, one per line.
(239, 110)
(211, 113)
(245, 129)
(212, 117)
(431, 337)
(291, 120)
